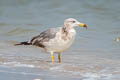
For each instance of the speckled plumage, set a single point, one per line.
(56, 40)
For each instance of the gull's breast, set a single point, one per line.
(58, 44)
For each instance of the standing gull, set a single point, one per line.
(56, 40)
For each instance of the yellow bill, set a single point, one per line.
(82, 25)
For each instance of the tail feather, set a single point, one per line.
(23, 43)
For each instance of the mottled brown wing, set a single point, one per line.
(44, 37)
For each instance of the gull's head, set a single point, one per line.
(73, 22)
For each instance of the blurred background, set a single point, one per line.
(95, 54)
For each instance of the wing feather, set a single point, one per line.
(44, 37)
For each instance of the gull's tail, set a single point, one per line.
(23, 43)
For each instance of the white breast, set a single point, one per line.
(71, 38)
(58, 44)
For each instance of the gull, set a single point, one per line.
(56, 40)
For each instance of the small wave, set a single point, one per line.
(24, 73)
(94, 76)
(17, 31)
(18, 64)
(87, 73)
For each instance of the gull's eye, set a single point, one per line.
(73, 21)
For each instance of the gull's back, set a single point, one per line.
(44, 37)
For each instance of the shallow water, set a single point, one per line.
(95, 55)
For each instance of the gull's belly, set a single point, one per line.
(59, 46)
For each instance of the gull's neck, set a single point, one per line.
(67, 32)
(66, 28)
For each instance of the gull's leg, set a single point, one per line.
(59, 58)
(52, 56)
